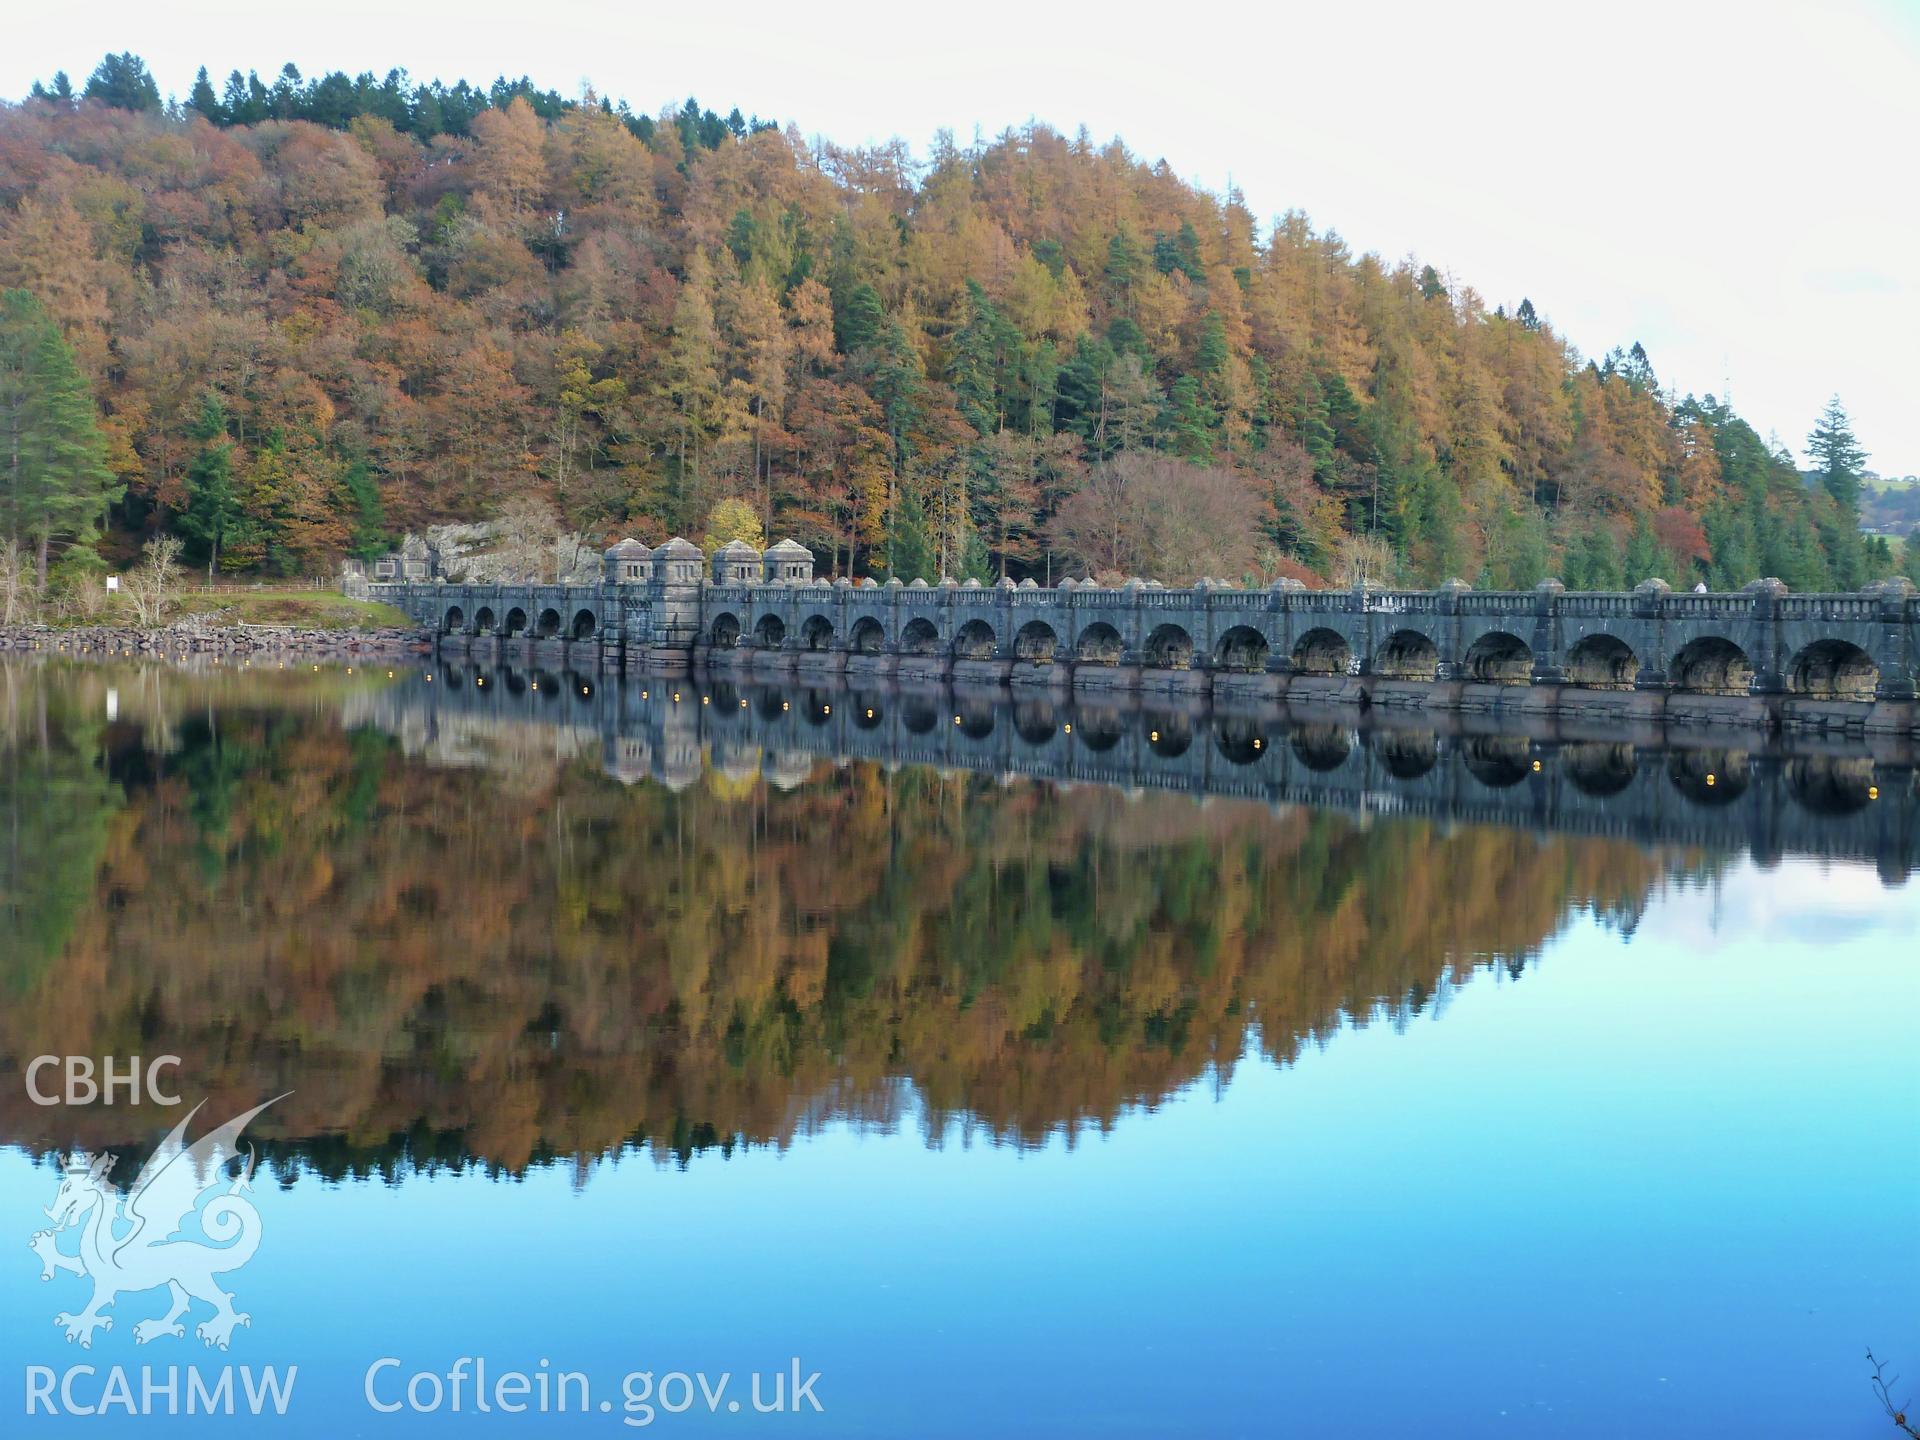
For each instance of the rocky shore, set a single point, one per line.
(188, 639)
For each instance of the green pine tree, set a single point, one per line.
(1837, 456)
(213, 502)
(54, 480)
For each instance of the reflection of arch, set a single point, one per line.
(918, 715)
(1169, 736)
(1710, 777)
(869, 636)
(771, 706)
(1099, 644)
(975, 720)
(1322, 652)
(549, 623)
(584, 625)
(869, 712)
(1242, 648)
(483, 620)
(1834, 670)
(919, 638)
(1602, 662)
(817, 633)
(1099, 730)
(1407, 655)
(1169, 647)
(1034, 721)
(1322, 747)
(1238, 739)
(817, 708)
(1711, 666)
(580, 688)
(1499, 658)
(770, 632)
(1831, 784)
(1497, 761)
(548, 684)
(974, 642)
(1599, 768)
(455, 622)
(514, 681)
(516, 622)
(1035, 643)
(1407, 754)
(724, 633)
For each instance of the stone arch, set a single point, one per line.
(1602, 662)
(816, 633)
(975, 641)
(1099, 644)
(769, 632)
(869, 636)
(516, 622)
(1322, 652)
(1711, 665)
(1833, 670)
(1499, 657)
(1035, 643)
(585, 624)
(455, 621)
(548, 625)
(484, 621)
(920, 637)
(724, 633)
(1241, 648)
(1169, 647)
(1599, 768)
(1407, 655)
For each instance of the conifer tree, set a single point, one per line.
(54, 480)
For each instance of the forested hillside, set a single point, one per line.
(314, 314)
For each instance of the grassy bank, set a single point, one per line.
(307, 609)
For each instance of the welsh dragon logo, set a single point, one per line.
(133, 1242)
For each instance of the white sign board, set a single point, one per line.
(113, 583)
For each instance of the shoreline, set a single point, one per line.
(172, 641)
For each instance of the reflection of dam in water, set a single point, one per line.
(1855, 801)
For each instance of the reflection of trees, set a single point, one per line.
(442, 968)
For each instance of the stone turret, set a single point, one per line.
(787, 563)
(628, 563)
(736, 563)
(678, 562)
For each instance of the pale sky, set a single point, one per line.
(1732, 184)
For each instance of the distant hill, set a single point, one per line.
(1037, 354)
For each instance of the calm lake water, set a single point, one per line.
(1028, 1068)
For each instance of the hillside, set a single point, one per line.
(314, 314)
